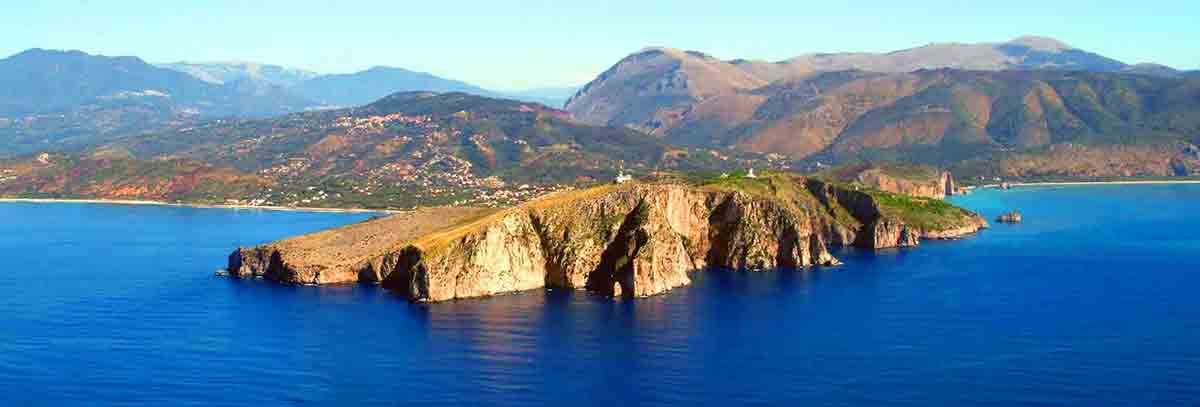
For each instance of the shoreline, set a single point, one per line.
(1087, 183)
(132, 202)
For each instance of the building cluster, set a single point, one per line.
(371, 124)
(508, 196)
(7, 175)
(293, 167)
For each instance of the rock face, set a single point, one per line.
(358, 252)
(619, 240)
(898, 178)
(938, 187)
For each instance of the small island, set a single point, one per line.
(633, 239)
(1010, 217)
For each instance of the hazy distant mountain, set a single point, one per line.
(553, 97)
(224, 72)
(357, 88)
(364, 87)
(41, 81)
(69, 100)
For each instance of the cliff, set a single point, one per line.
(631, 240)
(898, 178)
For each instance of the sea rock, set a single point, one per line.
(1010, 217)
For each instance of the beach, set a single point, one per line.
(160, 203)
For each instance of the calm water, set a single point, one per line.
(1093, 301)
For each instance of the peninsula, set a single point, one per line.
(627, 240)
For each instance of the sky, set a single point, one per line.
(510, 45)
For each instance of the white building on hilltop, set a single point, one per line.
(622, 177)
(750, 174)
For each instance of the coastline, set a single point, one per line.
(201, 206)
(1087, 183)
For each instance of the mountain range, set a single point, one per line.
(943, 104)
(39, 81)
(70, 100)
(1032, 107)
(44, 81)
(225, 72)
(357, 88)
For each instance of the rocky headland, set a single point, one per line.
(898, 178)
(631, 240)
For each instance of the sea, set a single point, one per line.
(1093, 301)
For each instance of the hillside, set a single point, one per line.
(421, 148)
(121, 178)
(942, 117)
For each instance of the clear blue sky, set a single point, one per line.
(519, 44)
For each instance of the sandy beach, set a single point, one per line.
(159, 203)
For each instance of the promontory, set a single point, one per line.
(631, 240)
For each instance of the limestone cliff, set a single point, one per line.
(618, 240)
(898, 178)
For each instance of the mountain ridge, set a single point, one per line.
(935, 116)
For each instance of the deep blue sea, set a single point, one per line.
(1094, 301)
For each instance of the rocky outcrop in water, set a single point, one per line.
(629, 240)
(1011, 217)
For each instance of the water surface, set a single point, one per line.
(1090, 302)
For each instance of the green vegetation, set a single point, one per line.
(924, 213)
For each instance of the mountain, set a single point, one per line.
(70, 100)
(937, 116)
(364, 87)
(1027, 52)
(225, 72)
(556, 97)
(42, 81)
(651, 89)
(1153, 70)
(420, 148)
(357, 88)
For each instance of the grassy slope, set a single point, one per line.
(924, 213)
